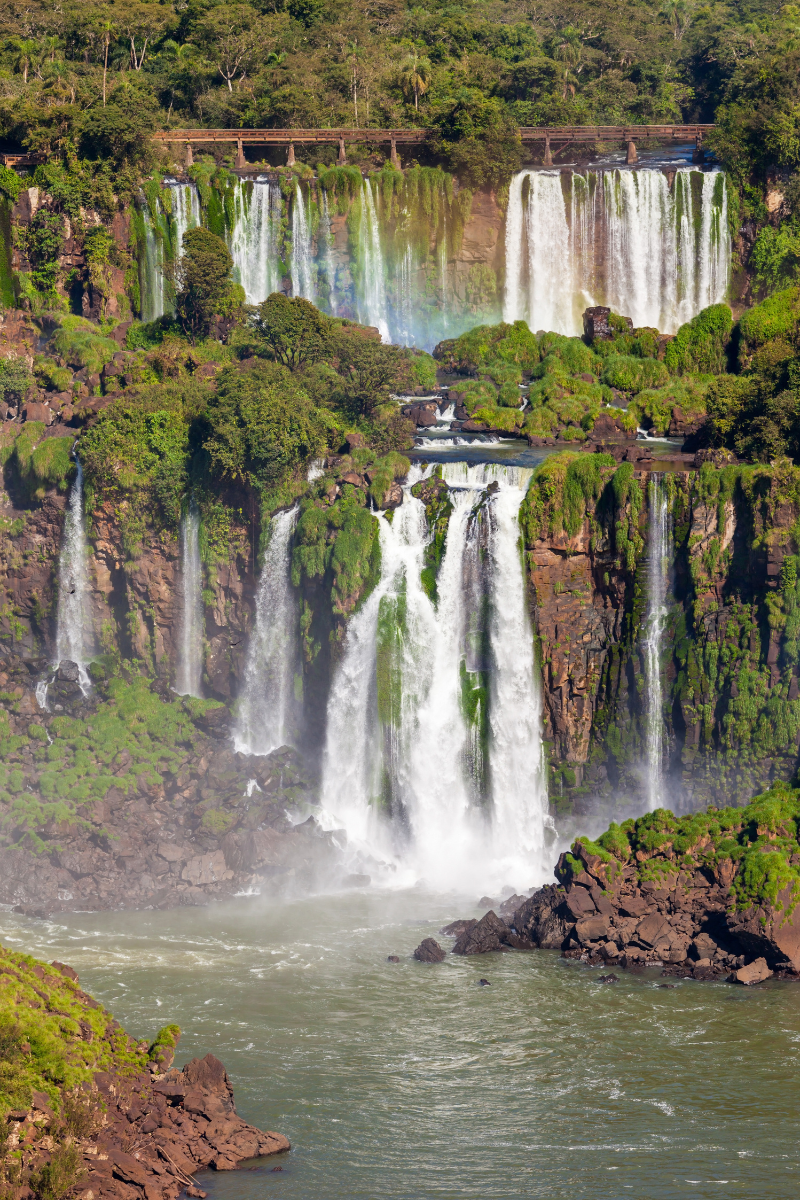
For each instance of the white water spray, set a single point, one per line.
(190, 663)
(74, 635)
(372, 300)
(659, 558)
(266, 709)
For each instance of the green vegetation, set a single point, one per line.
(133, 736)
(201, 280)
(42, 1013)
(762, 839)
(33, 463)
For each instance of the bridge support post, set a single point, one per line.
(290, 155)
(189, 156)
(631, 156)
(548, 157)
(395, 156)
(342, 155)
(699, 154)
(240, 158)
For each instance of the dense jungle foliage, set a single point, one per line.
(91, 81)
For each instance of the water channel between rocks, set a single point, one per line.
(411, 1080)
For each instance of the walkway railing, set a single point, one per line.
(555, 137)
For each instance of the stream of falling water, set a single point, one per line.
(302, 263)
(74, 637)
(267, 707)
(372, 303)
(254, 243)
(188, 681)
(655, 249)
(399, 768)
(659, 558)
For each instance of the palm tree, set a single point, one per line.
(568, 51)
(25, 55)
(182, 56)
(415, 77)
(678, 14)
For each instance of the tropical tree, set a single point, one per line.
(26, 51)
(678, 14)
(415, 77)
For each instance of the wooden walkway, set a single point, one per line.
(555, 138)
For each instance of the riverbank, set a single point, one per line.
(87, 1110)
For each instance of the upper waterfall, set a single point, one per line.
(650, 243)
(190, 663)
(654, 248)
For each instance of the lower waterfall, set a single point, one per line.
(267, 708)
(413, 769)
(658, 566)
(74, 635)
(188, 678)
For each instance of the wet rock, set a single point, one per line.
(68, 671)
(456, 928)
(429, 951)
(484, 983)
(490, 933)
(612, 978)
(393, 958)
(755, 972)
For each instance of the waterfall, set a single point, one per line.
(190, 662)
(302, 259)
(328, 262)
(185, 212)
(266, 717)
(255, 240)
(404, 768)
(658, 567)
(151, 272)
(654, 249)
(74, 638)
(372, 299)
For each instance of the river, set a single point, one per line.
(409, 1080)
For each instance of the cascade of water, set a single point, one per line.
(303, 281)
(151, 272)
(190, 663)
(328, 261)
(267, 707)
(654, 252)
(254, 244)
(404, 768)
(185, 212)
(659, 557)
(74, 637)
(372, 298)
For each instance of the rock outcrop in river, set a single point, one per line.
(89, 1112)
(712, 895)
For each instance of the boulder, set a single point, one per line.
(68, 671)
(754, 972)
(768, 931)
(490, 933)
(591, 929)
(456, 928)
(429, 951)
(580, 903)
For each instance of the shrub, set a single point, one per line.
(776, 317)
(701, 344)
(81, 345)
(630, 374)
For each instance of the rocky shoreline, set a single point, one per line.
(110, 1118)
(168, 813)
(711, 896)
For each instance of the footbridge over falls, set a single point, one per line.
(552, 139)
